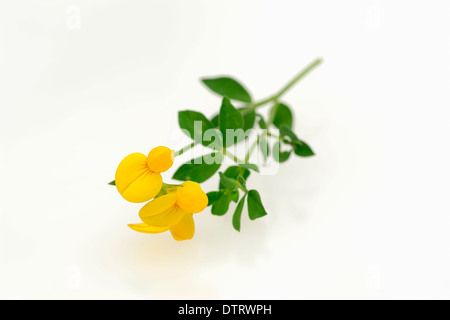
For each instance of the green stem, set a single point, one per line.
(273, 112)
(183, 150)
(250, 151)
(291, 83)
(171, 185)
(243, 188)
(262, 102)
(165, 189)
(303, 73)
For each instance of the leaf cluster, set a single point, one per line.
(233, 180)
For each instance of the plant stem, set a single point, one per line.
(303, 73)
(291, 83)
(250, 151)
(273, 112)
(171, 185)
(262, 102)
(183, 150)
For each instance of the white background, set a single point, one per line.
(368, 217)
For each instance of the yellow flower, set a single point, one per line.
(138, 177)
(173, 211)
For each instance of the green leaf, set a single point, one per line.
(237, 214)
(198, 170)
(230, 118)
(220, 206)
(250, 166)
(255, 207)
(278, 155)
(213, 196)
(285, 131)
(228, 183)
(215, 121)
(112, 183)
(234, 172)
(187, 120)
(283, 116)
(262, 123)
(238, 171)
(300, 147)
(249, 116)
(228, 87)
(234, 196)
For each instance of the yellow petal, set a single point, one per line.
(191, 198)
(167, 218)
(158, 205)
(134, 181)
(185, 229)
(161, 212)
(160, 159)
(144, 228)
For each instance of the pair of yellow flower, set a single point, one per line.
(138, 179)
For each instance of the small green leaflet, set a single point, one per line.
(248, 115)
(255, 207)
(228, 183)
(228, 87)
(283, 116)
(300, 147)
(250, 166)
(213, 196)
(198, 170)
(237, 214)
(187, 120)
(234, 172)
(262, 123)
(278, 155)
(230, 119)
(220, 206)
(234, 195)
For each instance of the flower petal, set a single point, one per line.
(144, 228)
(158, 205)
(134, 181)
(161, 212)
(185, 229)
(191, 198)
(160, 159)
(168, 218)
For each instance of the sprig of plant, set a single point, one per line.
(138, 177)
(228, 128)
